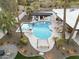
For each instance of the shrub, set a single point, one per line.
(24, 40)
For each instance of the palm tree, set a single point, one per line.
(21, 2)
(30, 7)
(12, 7)
(70, 37)
(19, 22)
(8, 5)
(64, 21)
(35, 5)
(7, 21)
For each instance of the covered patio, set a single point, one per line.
(37, 16)
(71, 17)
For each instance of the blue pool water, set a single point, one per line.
(24, 27)
(40, 29)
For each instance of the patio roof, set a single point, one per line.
(71, 16)
(41, 14)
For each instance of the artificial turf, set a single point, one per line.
(20, 56)
(73, 57)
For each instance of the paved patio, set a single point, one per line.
(58, 54)
(10, 51)
(53, 54)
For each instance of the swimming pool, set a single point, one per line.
(25, 27)
(39, 29)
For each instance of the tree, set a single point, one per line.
(35, 5)
(19, 22)
(29, 12)
(12, 7)
(7, 21)
(8, 5)
(64, 20)
(30, 7)
(21, 2)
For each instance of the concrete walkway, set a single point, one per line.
(2, 34)
(10, 51)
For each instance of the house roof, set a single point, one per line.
(71, 16)
(41, 14)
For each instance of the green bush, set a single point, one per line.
(73, 57)
(24, 40)
(60, 42)
(20, 56)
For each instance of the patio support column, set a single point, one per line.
(74, 35)
(38, 18)
(54, 16)
(51, 17)
(33, 17)
(43, 18)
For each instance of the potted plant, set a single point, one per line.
(24, 40)
(59, 42)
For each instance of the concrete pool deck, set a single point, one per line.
(34, 41)
(47, 45)
(53, 54)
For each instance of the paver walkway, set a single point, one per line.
(10, 51)
(49, 55)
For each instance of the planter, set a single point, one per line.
(24, 40)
